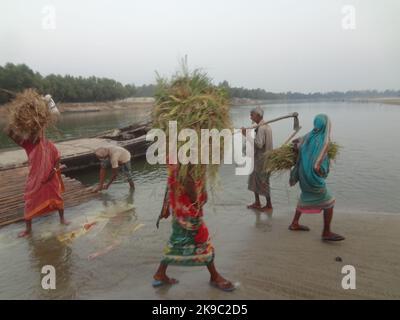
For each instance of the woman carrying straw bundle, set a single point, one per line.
(189, 244)
(28, 117)
(196, 104)
(312, 170)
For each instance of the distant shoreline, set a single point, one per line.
(391, 101)
(247, 102)
(148, 102)
(106, 106)
(117, 105)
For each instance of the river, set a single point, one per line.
(365, 179)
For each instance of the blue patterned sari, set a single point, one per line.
(314, 167)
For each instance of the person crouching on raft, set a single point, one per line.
(120, 161)
(313, 169)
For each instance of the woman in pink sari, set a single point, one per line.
(44, 184)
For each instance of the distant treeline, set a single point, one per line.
(261, 94)
(16, 78)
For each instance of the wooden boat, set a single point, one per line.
(78, 154)
(132, 138)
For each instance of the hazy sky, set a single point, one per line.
(281, 45)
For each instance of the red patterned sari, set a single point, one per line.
(189, 244)
(42, 195)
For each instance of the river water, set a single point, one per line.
(85, 124)
(116, 257)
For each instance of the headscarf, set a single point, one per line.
(313, 153)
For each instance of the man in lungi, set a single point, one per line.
(120, 161)
(259, 180)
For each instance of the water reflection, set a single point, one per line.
(49, 251)
(76, 125)
(118, 222)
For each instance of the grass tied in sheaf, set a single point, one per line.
(191, 99)
(284, 158)
(28, 114)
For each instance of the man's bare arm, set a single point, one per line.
(113, 177)
(12, 135)
(102, 176)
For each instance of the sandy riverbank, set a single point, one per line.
(131, 103)
(270, 262)
(147, 103)
(118, 105)
(391, 101)
(259, 253)
(394, 101)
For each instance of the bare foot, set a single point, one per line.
(65, 222)
(222, 284)
(254, 205)
(267, 209)
(298, 227)
(24, 233)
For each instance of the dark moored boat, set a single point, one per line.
(79, 154)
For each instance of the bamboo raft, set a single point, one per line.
(12, 184)
(76, 154)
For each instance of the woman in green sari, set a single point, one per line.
(313, 169)
(189, 244)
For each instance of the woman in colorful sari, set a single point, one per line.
(189, 244)
(313, 169)
(44, 184)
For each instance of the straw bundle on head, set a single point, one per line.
(28, 114)
(195, 103)
(284, 158)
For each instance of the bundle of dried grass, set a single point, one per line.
(195, 103)
(284, 158)
(28, 114)
(280, 159)
(333, 150)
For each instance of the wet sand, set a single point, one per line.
(259, 253)
(270, 262)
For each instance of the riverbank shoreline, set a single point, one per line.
(141, 103)
(255, 251)
(389, 101)
(110, 106)
(237, 102)
(148, 103)
(119, 105)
